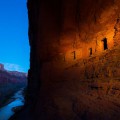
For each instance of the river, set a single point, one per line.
(6, 111)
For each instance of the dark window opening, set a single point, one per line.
(90, 51)
(105, 46)
(74, 55)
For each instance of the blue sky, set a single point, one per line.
(14, 45)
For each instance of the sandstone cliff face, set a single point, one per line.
(74, 72)
(71, 26)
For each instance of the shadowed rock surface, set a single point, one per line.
(75, 60)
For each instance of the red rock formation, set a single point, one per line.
(74, 72)
(1, 67)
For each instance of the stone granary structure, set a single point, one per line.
(74, 61)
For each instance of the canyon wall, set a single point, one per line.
(74, 65)
(10, 82)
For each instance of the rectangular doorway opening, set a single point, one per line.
(90, 51)
(105, 46)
